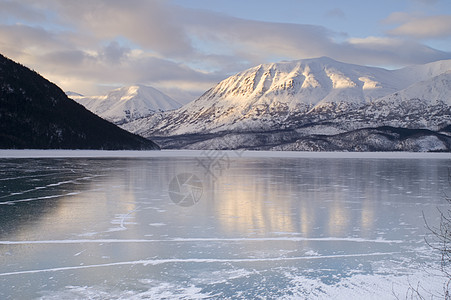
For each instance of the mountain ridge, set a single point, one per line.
(315, 96)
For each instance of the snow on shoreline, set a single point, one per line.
(230, 153)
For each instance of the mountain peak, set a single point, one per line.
(321, 59)
(129, 103)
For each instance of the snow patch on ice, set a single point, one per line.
(157, 224)
(312, 253)
(157, 290)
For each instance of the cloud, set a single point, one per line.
(257, 42)
(20, 41)
(114, 52)
(93, 70)
(336, 13)
(86, 45)
(421, 27)
(10, 10)
(391, 51)
(150, 24)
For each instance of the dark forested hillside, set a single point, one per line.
(37, 114)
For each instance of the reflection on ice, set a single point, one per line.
(275, 227)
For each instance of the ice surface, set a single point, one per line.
(94, 225)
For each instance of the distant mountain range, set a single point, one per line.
(309, 105)
(36, 114)
(127, 104)
(314, 105)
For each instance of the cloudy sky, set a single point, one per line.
(184, 47)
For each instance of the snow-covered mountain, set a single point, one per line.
(272, 105)
(128, 103)
(437, 88)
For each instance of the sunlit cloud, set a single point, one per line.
(422, 27)
(393, 51)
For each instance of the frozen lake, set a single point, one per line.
(183, 225)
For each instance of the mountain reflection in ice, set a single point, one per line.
(274, 227)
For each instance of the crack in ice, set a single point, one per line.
(292, 239)
(154, 262)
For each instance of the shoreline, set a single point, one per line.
(14, 153)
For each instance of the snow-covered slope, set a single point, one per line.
(286, 88)
(313, 82)
(434, 89)
(423, 72)
(308, 82)
(128, 103)
(304, 98)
